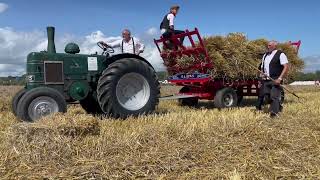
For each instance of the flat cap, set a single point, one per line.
(175, 7)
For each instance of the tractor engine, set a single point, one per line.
(69, 73)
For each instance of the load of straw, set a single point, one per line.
(232, 53)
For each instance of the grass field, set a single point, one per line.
(174, 143)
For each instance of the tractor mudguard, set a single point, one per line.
(114, 58)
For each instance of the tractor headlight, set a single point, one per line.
(30, 78)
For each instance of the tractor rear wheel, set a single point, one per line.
(191, 102)
(91, 105)
(40, 102)
(16, 100)
(226, 98)
(128, 87)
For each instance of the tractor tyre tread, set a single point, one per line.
(16, 99)
(106, 90)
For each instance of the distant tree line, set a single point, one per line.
(163, 75)
(20, 80)
(12, 80)
(312, 76)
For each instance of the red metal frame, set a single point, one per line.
(203, 88)
(196, 50)
(207, 88)
(297, 44)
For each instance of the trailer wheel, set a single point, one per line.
(40, 102)
(91, 105)
(191, 102)
(128, 87)
(226, 98)
(16, 100)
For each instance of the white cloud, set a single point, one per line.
(11, 69)
(88, 44)
(16, 45)
(3, 7)
(152, 55)
(152, 31)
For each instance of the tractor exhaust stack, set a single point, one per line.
(51, 46)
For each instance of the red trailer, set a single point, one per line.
(196, 83)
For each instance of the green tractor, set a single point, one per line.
(117, 86)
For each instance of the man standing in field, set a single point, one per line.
(167, 25)
(274, 65)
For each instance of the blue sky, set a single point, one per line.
(279, 20)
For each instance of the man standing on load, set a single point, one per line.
(167, 24)
(274, 65)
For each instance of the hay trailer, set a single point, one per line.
(196, 83)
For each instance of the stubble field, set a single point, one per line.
(173, 143)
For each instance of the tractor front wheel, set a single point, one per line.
(16, 100)
(128, 87)
(40, 102)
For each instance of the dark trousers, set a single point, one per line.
(272, 92)
(260, 96)
(169, 33)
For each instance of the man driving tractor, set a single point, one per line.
(128, 44)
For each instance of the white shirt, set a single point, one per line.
(128, 46)
(170, 17)
(266, 61)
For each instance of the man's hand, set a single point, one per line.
(103, 43)
(140, 52)
(277, 81)
(263, 75)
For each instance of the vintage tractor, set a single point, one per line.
(118, 86)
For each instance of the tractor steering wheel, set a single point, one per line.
(105, 47)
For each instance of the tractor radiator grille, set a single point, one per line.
(53, 72)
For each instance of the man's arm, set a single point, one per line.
(262, 75)
(285, 63)
(139, 45)
(115, 44)
(171, 21)
(284, 71)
